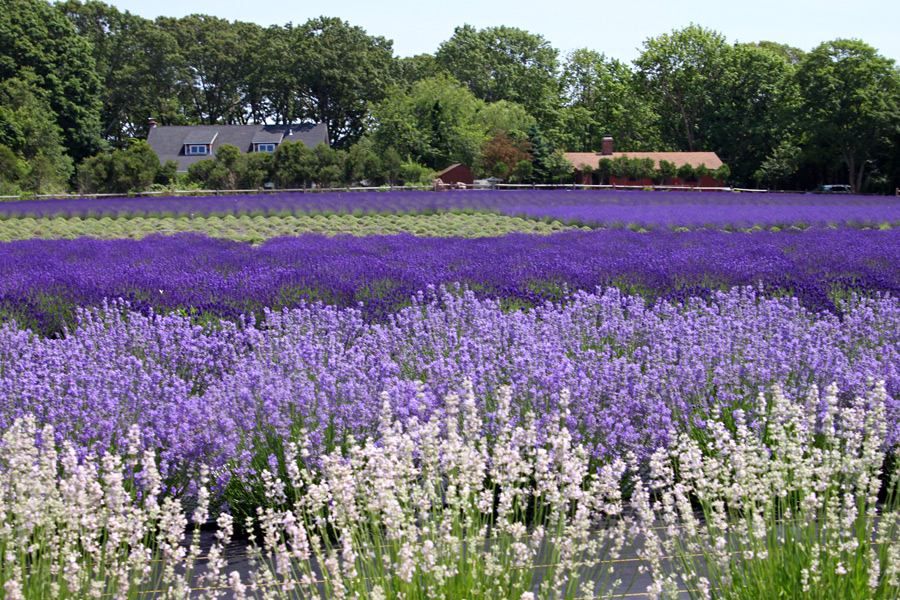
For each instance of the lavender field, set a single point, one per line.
(565, 394)
(606, 208)
(43, 281)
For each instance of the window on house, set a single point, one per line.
(265, 148)
(197, 149)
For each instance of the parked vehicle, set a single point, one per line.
(840, 188)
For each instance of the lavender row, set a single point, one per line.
(226, 396)
(605, 208)
(43, 281)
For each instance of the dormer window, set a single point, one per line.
(265, 148)
(197, 149)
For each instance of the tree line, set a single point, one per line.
(79, 82)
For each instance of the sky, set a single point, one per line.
(616, 28)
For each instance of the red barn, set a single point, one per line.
(456, 174)
(695, 159)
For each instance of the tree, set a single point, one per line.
(602, 98)
(328, 164)
(722, 173)
(500, 148)
(294, 164)
(411, 69)
(523, 170)
(37, 38)
(850, 96)
(139, 65)
(667, 170)
(121, 171)
(640, 168)
(559, 166)
(755, 108)
(789, 54)
(779, 165)
(29, 130)
(255, 170)
(503, 63)
(604, 169)
(338, 70)
(415, 174)
(506, 117)
(620, 167)
(680, 73)
(686, 173)
(218, 60)
(434, 123)
(541, 153)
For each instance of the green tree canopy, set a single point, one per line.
(602, 98)
(434, 122)
(503, 63)
(139, 65)
(36, 37)
(680, 72)
(328, 71)
(29, 130)
(850, 102)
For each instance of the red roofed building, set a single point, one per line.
(695, 159)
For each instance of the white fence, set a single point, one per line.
(498, 186)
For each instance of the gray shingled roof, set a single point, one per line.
(200, 136)
(268, 137)
(168, 141)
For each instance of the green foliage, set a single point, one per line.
(602, 98)
(667, 170)
(39, 45)
(411, 173)
(620, 166)
(541, 153)
(199, 172)
(523, 171)
(28, 129)
(779, 165)
(141, 68)
(686, 172)
(295, 165)
(167, 175)
(503, 63)
(328, 71)
(434, 122)
(121, 171)
(255, 170)
(851, 102)
(679, 71)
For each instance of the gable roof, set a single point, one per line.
(695, 159)
(201, 136)
(168, 140)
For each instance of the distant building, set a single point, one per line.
(456, 174)
(187, 144)
(695, 159)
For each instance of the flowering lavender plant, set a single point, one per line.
(94, 527)
(42, 282)
(790, 507)
(600, 208)
(431, 510)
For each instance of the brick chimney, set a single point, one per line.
(607, 145)
(152, 123)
